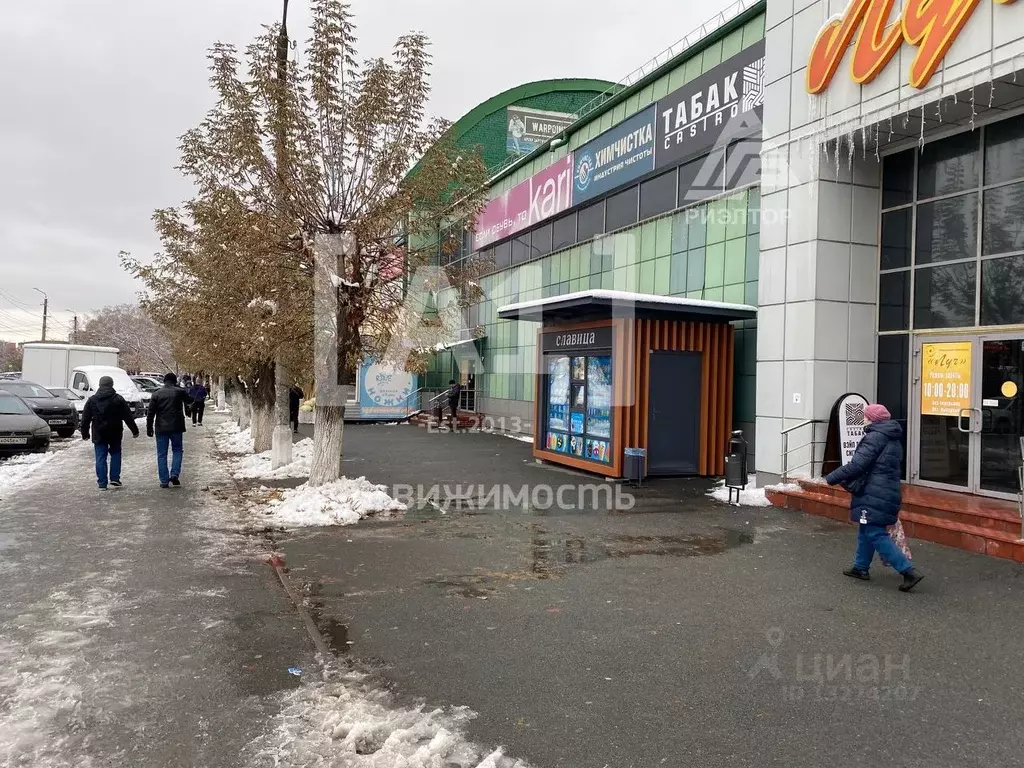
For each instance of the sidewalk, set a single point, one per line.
(683, 632)
(137, 627)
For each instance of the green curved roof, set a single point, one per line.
(525, 91)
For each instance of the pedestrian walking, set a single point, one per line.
(873, 479)
(197, 394)
(295, 397)
(105, 415)
(454, 393)
(166, 420)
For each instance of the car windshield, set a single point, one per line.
(67, 394)
(23, 389)
(146, 385)
(12, 406)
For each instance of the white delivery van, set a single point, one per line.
(51, 364)
(85, 379)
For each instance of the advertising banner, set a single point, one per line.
(543, 195)
(384, 390)
(945, 378)
(529, 128)
(692, 120)
(617, 156)
(845, 430)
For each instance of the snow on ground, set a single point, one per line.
(520, 437)
(230, 439)
(346, 720)
(18, 469)
(342, 502)
(751, 496)
(259, 465)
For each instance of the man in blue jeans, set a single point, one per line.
(105, 415)
(166, 419)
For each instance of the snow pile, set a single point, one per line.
(520, 437)
(260, 465)
(341, 502)
(751, 496)
(345, 721)
(15, 470)
(230, 439)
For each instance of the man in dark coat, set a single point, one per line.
(454, 394)
(197, 394)
(105, 415)
(166, 419)
(873, 479)
(295, 396)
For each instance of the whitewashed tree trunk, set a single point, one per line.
(281, 451)
(262, 426)
(242, 411)
(221, 398)
(327, 445)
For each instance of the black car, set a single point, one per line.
(55, 411)
(21, 431)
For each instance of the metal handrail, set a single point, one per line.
(786, 449)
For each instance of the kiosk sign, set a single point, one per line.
(945, 378)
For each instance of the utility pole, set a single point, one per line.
(74, 326)
(46, 310)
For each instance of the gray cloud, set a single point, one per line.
(98, 93)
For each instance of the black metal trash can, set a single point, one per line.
(634, 465)
(736, 464)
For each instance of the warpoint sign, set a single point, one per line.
(932, 26)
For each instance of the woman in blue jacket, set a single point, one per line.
(873, 479)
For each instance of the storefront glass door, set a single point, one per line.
(968, 417)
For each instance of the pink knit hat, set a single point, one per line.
(876, 412)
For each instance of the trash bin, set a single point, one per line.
(736, 464)
(634, 465)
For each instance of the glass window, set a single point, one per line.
(898, 179)
(590, 222)
(894, 301)
(948, 166)
(893, 367)
(658, 195)
(621, 209)
(1002, 289)
(743, 164)
(521, 249)
(1004, 151)
(1003, 230)
(503, 254)
(944, 296)
(540, 241)
(702, 178)
(563, 232)
(896, 237)
(947, 229)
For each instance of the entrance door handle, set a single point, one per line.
(981, 420)
(960, 420)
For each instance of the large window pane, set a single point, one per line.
(893, 368)
(590, 222)
(503, 254)
(1004, 151)
(894, 301)
(1002, 291)
(621, 209)
(948, 166)
(702, 178)
(658, 195)
(947, 229)
(1004, 220)
(540, 241)
(743, 164)
(563, 232)
(896, 238)
(944, 296)
(521, 249)
(898, 179)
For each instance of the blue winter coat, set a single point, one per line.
(879, 460)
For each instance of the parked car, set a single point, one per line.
(21, 431)
(76, 400)
(85, 379)
(147, 387)
(10, 375)
(55, 411)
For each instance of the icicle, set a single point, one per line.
(920, 142)
(853, 148)
(906, 118)
(890, 128)
(991, 90)
(938, 110)
(974, 112)
(956, 98)
(878, 140)
(864, 142)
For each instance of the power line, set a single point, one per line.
(15, 301)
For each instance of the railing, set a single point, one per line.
(786, 450)
(427, 398)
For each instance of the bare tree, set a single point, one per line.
(143, 344)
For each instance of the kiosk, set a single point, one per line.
(619, 370)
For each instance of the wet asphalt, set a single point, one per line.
(681, 632)
(137, 626)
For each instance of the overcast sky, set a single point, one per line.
(97, 93)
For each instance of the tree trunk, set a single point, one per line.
(243, 413)
(221, 399)
(281, 451)
(327, 444)
(263, 394)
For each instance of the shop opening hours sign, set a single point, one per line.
(945, 378)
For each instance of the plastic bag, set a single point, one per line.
(899, 538)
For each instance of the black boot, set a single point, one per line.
(910, 580)
(856, 573)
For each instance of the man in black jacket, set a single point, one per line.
(295, 395)
(166, 419)
(105, 415)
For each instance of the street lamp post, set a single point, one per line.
(46, 309)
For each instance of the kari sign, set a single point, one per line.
(945, 378)
(932, 26)
(617, 156)
(540, 197)
(693, 119)
(529, 128)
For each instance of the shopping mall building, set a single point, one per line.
(803, 200)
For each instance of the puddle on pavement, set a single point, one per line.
(334, 631)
